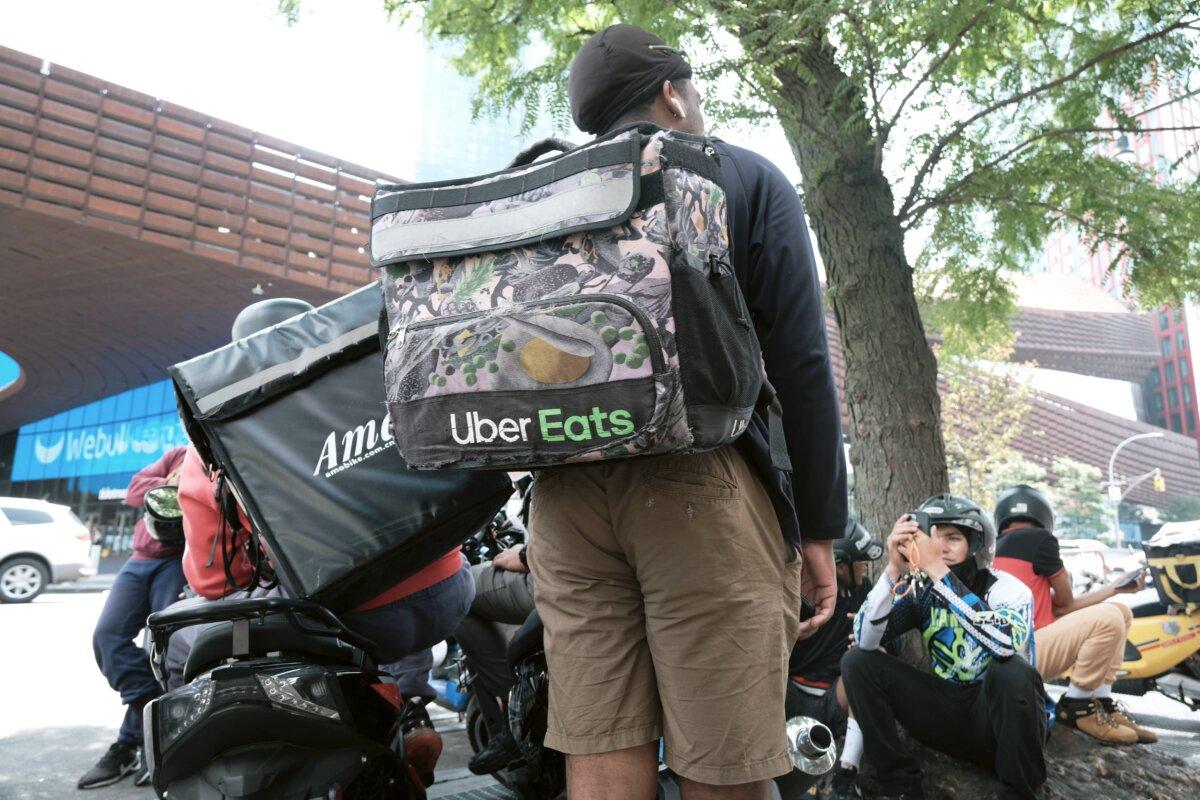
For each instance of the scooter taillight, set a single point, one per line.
(389, 692)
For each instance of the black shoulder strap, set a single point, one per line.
(768, 403)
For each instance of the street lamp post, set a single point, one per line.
(1115, 495)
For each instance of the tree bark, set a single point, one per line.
(896, 444)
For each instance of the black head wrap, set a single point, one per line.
(616, 70)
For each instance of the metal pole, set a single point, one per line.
(1114, 497)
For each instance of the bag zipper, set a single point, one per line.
(656, 357)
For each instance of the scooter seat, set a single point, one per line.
(1151, 609)
(527, 640)
(270, 634)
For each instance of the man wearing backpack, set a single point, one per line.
(670, 586)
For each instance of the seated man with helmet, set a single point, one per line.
(984, 702)
(1083, 635)
(221, 561)
(815, 667)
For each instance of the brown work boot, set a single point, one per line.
(1118, 715)
(422, 743)
(1087, 715)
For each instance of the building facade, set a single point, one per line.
(85, 457)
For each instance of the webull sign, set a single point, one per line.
(95, 450)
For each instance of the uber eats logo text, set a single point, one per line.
(344, 449)
(552, 426)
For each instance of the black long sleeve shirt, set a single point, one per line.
(775, 268)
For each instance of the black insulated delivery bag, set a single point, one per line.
(294, 416)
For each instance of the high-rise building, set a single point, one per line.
(1169, 388)
(453, 145)
(1165, 141)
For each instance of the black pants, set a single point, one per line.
(998, 723)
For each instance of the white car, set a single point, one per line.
(40, 543)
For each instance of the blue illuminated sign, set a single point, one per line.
(10, 371)
(119, 434)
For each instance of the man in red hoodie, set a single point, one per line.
(149, 581)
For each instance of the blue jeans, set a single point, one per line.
(406, 629)
(142, 587)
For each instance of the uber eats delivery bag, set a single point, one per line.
(294, 417)
(579, 308)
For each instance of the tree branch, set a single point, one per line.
(915, 213)
(932, 68)
(1100, 233)
(936, 154)
(872, 85)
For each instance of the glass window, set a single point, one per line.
(1181, 341)
(27, 516)
(1165, 344)
(1156, 402)
(1153, 379)
(1169, 369)
(1179, 315)
(1173, 397)
(1187, 395)
(1183, 368)
(1176, 424)
(1164, 321)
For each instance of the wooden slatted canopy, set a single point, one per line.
(132, 231)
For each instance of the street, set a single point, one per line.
(58, 716)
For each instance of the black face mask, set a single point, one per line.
(976, 579)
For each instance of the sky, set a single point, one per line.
(343, 80)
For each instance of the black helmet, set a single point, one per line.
(265, 313)
(856, 545)
(163, 515)
(949, 509)
(1024, 503)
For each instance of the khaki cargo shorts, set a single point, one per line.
(671, 603)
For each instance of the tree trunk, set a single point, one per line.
(896, 444)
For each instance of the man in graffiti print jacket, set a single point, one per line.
(984, 702)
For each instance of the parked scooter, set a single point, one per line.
(1162, 651)
(280, 700)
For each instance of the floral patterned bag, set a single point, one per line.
(579, 308)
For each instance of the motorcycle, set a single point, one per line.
(280, 700)
(1162, 650)
(540, 773)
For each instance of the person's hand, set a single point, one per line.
(510, 559)
(929, 555)
(851, 637)
(818, 581)
(897, 546)
(1124, 585)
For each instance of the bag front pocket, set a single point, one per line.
(547, 379)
